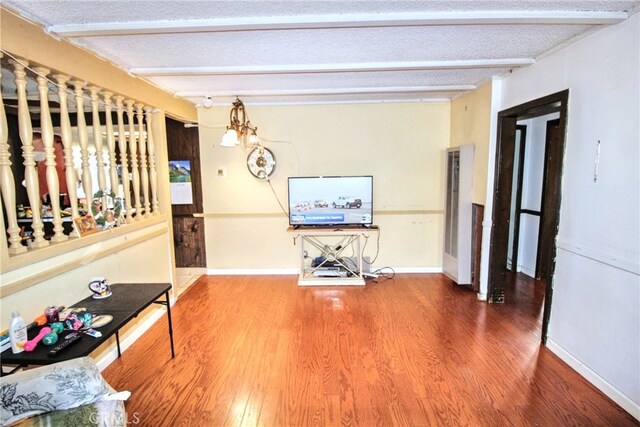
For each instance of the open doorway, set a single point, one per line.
(526, 213)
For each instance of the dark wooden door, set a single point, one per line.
(550, 203)
(188, 232)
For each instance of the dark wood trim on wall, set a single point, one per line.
(520, 178)
(502, 196)
(549, 211)
(505, 151)
(476, 248)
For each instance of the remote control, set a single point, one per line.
(67, 342)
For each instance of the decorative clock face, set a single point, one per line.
(261, 162)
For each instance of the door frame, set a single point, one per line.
(503, 179)
(518, 207)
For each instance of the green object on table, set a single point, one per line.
(57, 327)
(50, 338)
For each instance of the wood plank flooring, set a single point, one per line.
(415, 350)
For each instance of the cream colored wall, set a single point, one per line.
(401, 145)
(470, 124)
(147, 261)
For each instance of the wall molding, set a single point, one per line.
(126, 241)
(73, 243)
(600, 383)
(526, 270)
(280, 214)
(251, 271)
(295, 271)
(599, 256)
(415, 269)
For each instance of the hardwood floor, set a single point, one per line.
(412, 351)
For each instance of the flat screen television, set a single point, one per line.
(330, 200)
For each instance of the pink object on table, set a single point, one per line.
(32, 344)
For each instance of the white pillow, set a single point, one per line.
(58, 386)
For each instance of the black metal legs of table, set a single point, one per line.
(168, 305)
(118, 343)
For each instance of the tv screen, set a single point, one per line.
(331, 200)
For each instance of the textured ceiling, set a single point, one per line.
(321, 51)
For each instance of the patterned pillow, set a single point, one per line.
(58, 386)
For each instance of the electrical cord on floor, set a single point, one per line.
(382, 272)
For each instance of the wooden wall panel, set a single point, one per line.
(188, 232)
(476, 245)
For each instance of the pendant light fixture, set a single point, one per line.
(239, 129)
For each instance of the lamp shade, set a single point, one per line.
(230, 139)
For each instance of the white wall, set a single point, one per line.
(595, 318)
(401, 145)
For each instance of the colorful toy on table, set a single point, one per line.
(52, 337)
(33, 343)
(77, 320)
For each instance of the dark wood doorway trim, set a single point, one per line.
(503, 180)
(518, 209)
(551, 188)
(188, 231)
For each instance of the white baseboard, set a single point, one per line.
(250, 271)
(600, 383)
(415, 269)
(295, 271)
(526, 270)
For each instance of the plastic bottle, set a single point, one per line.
(17, 333)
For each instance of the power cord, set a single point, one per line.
(381, 272)
(276, 196)
(377, 248)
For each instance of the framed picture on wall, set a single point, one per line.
(85, 225)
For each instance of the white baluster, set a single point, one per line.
(7, 185)
(83, 137)
(124, 165)
(153, 173)
(97, 142)
(144, 173)
(111, 142)
(67, 143)
(26, 136)
(133, 152)
(53, 186)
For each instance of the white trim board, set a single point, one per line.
(295, 271)
(630, 266)
(600, 383)
(251, 271)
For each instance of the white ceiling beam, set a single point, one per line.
(330, 91)
(332, 68)
(293, 22)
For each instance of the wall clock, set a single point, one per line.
(261, 162)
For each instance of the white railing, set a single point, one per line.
(91, 171)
